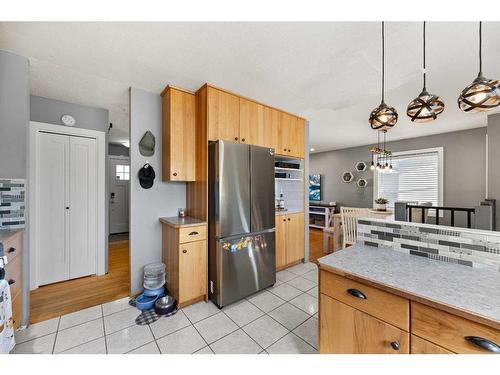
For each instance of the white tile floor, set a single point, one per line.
(281, 319)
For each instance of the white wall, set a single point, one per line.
(148, 205)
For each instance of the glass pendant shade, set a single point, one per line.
(480, 96)
(426, 107)
(383, 117)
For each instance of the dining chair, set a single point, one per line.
(350, 217)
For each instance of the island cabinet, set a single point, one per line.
(178, 118)
(185, 254)
(289, 239)
(358, 317)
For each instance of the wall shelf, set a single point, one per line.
(288, 169)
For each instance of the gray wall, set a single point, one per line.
(51, 110)
(148, 205)
(493, 162)
(118, 150)
(14, 114)
(464, 155)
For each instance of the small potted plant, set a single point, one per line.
(381, 204)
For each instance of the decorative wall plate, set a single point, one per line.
(347, 177)
(360, 166)
(362, 183)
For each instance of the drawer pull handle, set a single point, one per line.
(194, 233)
(11, 250)
(184, 251)
(395, 345)
(12, 281)
(356, 293)
(483, 343)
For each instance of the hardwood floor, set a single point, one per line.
(68, 296)
(315, 244)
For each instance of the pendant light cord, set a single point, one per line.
(480, 48)
(425, 72)
(383, 61)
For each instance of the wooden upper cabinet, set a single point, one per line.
(291, 135)
(258, 124)
(223, 111)
(295, 237)
(178, 153)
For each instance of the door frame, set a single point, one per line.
(100, 137)
(116, 157)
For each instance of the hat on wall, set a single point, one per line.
(147, 144)
(146, 176)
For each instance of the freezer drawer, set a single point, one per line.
(241, 266)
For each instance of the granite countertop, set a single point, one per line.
(6, 234)
(469, 292)
(178, 222)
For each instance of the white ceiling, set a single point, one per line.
(327, 72)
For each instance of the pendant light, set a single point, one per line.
(383, 117)
(426, 107)
(482, 94)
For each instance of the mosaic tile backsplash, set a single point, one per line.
(12, 203)
(455, 245)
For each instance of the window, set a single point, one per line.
(416, 177)
(122, 172)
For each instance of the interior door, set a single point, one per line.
(295, 238)
(82, 207)
(119, 174)
(52, 175)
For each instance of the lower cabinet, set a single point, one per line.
(421, 346)
(185, 253)
(289, 239)
(344, 330)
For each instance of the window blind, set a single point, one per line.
(415, 178)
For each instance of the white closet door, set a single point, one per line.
(52, 197)
(83, 207)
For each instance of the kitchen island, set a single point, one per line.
(377, 300)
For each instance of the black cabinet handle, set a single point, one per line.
(483, 343)
(175, 173)
(12, 281)
(11, 250)
(289, 219)
(235, 138)
(356, 293)
(243, 139)
(395, 345)
(184, 251)
(193, 233)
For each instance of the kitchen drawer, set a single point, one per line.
(421, 346)
(385, 306)
(12, 247)
(190, 234)
(450, 331)
(13, 272)
(346, 330)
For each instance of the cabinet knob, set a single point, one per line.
(289, 150)
(395, 345)
(11, 250)
(184, 251)
(175, 173)
(12, 281)
(288, 219)
(243, 139)
(67, 207)
(483, 343)
(235, 138)
(284, 149)
(284, 219)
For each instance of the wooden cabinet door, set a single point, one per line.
(280, 235)
(297, 143)
(345, 330)
(421, 346)
(272, 124)
(193, 265)
(294, 237)
(287, 125)
(223, 111)
(178, 136)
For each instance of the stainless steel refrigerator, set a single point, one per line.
(241, 220)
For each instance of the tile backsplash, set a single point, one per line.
(293, 194)
(12, 203)
(478, 249)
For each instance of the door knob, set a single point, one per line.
(67, 207)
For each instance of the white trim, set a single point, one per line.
(100, 137)
(440, 152)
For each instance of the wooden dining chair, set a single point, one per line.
(350, 217)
